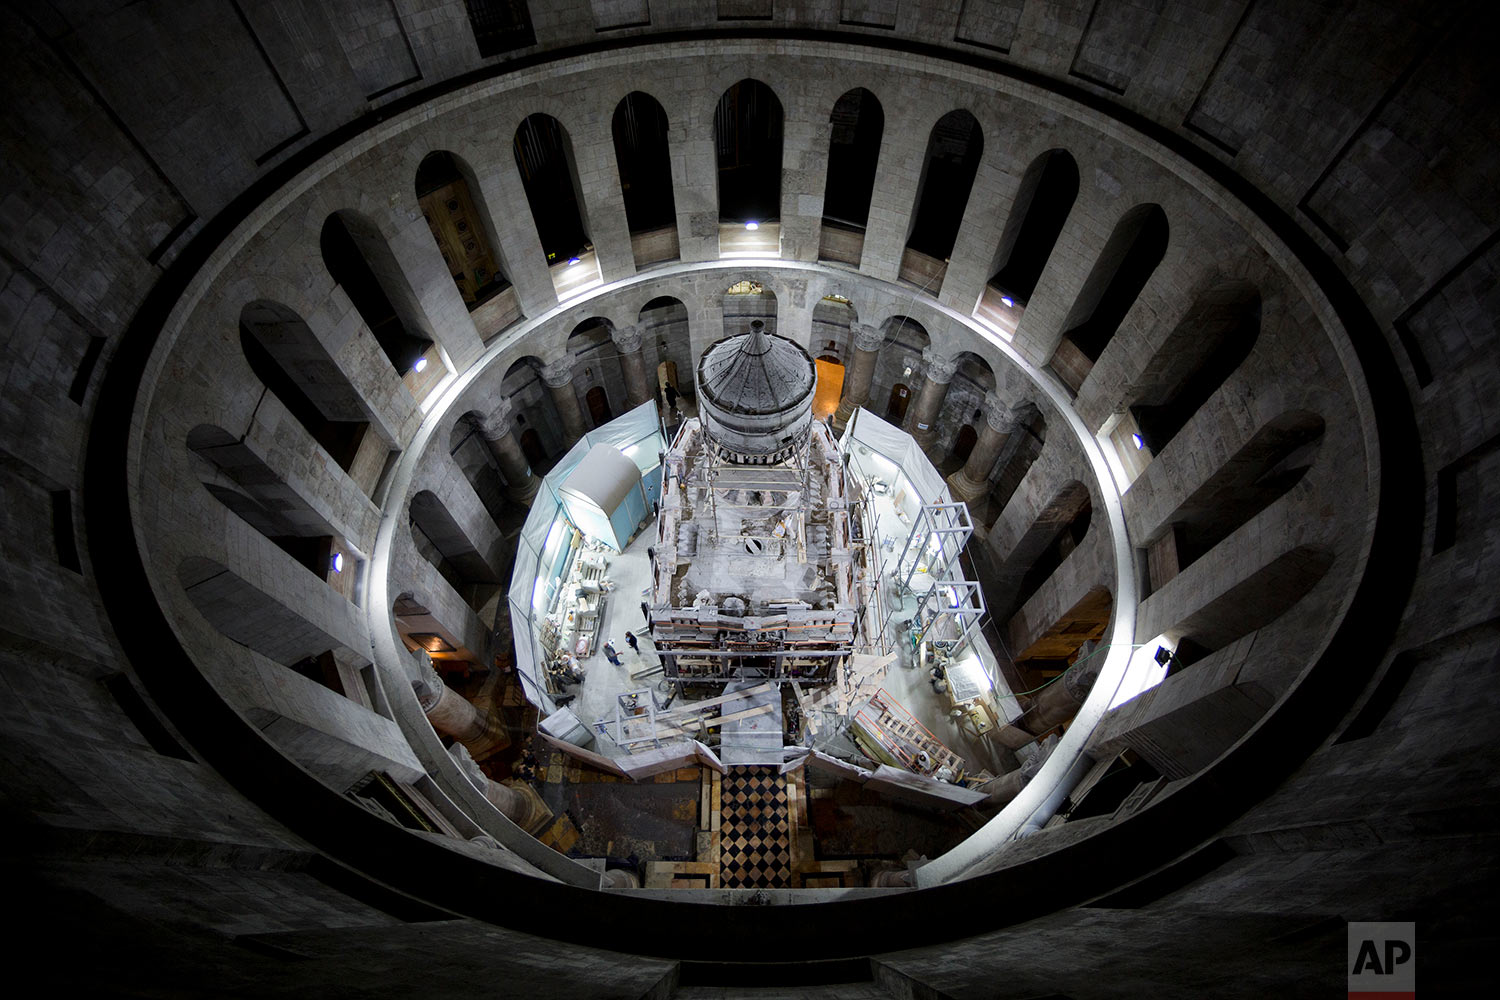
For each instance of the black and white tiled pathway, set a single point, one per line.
(755, 849)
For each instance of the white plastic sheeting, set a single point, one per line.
(542, 545)
(867, 433)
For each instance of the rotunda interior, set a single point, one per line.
(860, 499)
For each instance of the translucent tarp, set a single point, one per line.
(637, 434)
(896, 446)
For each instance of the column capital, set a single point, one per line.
(867, 337)
(628, 339)
(1001, 416)
(497, 423)
(558, 372)
(938, 368)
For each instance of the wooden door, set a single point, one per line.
(964, 443)
(531, 447)
(598, 406)
(895, 410)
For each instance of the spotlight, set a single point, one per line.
(1140, 442)
(1163, 655)
(752, 226)
(1008, 301)
(573, 260)
(338, 562)
(419, 366)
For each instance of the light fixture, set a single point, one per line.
(573, 260)
(1140, 442)
(338, 562)
(752, 226)
(419, 366)
(1007, 300)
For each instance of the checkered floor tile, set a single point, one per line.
(755, 831)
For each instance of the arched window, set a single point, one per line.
(1048, 190)
(291, 362)
(747, 138)
(460, 226)
(853, 150)
(544, 157)
(1129, 258)
(954, 148)
(642, 155)
(358, 258)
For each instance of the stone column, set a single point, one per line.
(516, 800)
(500, 436)
(558, 375)
(937, 372)
(973, 480)
(638, 388)
(867, 341)
(454, 715)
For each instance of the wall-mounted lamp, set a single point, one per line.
(1008, 301)
(337, 562)
(752, 226)
(1140, 442)
(420, 364)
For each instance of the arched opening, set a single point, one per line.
(643, 157)
(898, 365)
(1046, 195)
(747, 139)
(1056, 530)
(467, 448)
(857, 126)
(594, 355)
(360, 261)
(973, 379)
(1263, 470)
(290, 361)
(544, 157)
(832, 321)
(257, 495)
(1045, 655)
(538, 427)
(954, 148)
(1129, 258)
(1048, 189)
(250, 617)
(442, 542)
(663, 324)
(460, 226)
(745, 302)
(1209, 344)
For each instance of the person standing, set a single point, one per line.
(633, 642)
(671, 397)
(610, 654)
